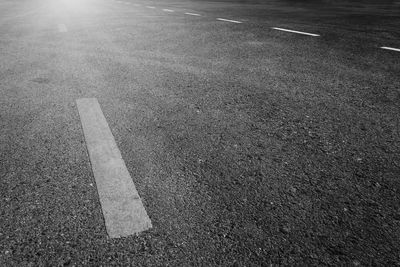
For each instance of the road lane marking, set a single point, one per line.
(168, 10)
(286, 30)
(152, 7)
(229, 20)
(390, 48)
(123, 210)
(62, 28)
(192, 14)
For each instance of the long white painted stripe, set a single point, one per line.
(286, 30)
(62, 28)
(229, 20)
(123, 210)
(390, 48)
(192, 14)
(168, 10)
(150, 7)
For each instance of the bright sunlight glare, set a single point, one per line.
(77, 5)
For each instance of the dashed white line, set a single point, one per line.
(304, 33)
(192, 14)
(229, 20)
(391, 48)
(123, 210)
(62, 28)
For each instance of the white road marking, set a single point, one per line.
(152, 7)
(229, 20)
(123, 210)
(62, 28)
(192, 14)
(168, 10)
(286, 30)
(390, 48)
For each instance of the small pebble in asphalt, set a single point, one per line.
(293, 189)
(285, 229)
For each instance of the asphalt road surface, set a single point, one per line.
(257, 133)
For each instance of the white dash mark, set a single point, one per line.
(62, 28)
(390, 48)
(152, 7)
(123, 210)
(229, 20)
(192, 14)
(168, 10)
(304, 33)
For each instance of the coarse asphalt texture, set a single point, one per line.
(248, 146)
